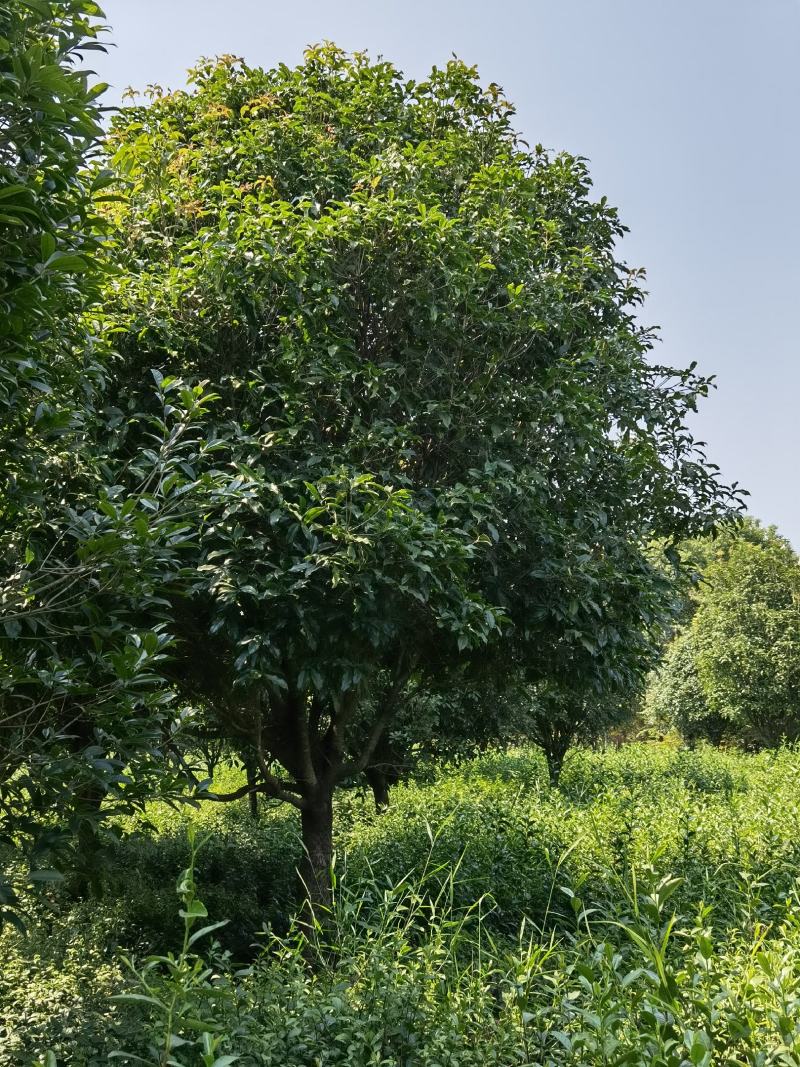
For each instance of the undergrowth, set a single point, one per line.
(646, 913)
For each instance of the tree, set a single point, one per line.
(731, 670)
(676, 700)
(85, 709)
(559, 717)
(89, 539)
(433, 388)
(746, 637)
(50, 120)
(496, 702)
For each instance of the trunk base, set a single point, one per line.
(379, 784)
(315, 866)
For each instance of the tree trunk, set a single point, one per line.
(379, 784)
(315, 866)
(555, 763)
(252, 798)
(88, 879)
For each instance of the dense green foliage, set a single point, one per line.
(747, 639)
(732, 670)
(334, 447)
(50, 121)
(89, 539)
(437, 411)
(705, 955)
(675, 697)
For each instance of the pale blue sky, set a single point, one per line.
(688, 112)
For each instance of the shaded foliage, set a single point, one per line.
(89, 539)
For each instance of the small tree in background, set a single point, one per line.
(473, 712)
(676, 700)
(559, 717)
(746, 637)
(733, 670)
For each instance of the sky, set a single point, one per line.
(688, 113)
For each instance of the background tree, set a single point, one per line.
(558, 717)
(496, 703)
(676, 700)
(432, 384)
(731, 671)
(746, 635)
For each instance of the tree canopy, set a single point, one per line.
(746, 635)
(437, 407)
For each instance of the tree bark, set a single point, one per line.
(89, 875)
(252, 799)
(315, 867)
(555, 764)
(379, 784)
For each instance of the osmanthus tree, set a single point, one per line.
(582, 681)
(458, 721)
(746, 640)
(555, 687)
(730, 671)
(89, 539)
(676, 700)
(432, 384)
(50, 127)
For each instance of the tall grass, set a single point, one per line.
(402, 976)
(646, 914)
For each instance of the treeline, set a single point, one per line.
(331, 437)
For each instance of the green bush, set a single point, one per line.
(55, 985)
(424, 984)
(400, 976)
(247, 870)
